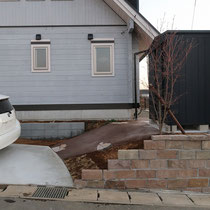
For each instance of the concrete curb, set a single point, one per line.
(152, 198)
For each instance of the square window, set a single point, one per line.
(40, 57)
(103, 59)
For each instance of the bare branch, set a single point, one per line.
(167, 55)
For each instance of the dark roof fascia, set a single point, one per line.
(187, 32)
(142, 16)
(136, 9)
(179, 32)
(152, 47)
(176, 32)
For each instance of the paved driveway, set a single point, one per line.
(37, 165)
(115, 133)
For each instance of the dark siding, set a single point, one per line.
(134, 3)
(193, 108)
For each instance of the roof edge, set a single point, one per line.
(145, 19)
(187, 32)
(138, 18)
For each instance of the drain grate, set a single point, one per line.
(50, 192)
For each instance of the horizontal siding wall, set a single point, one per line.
(70, 80)
(48, 12)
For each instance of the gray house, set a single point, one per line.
(70, 60)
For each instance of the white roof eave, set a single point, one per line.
(126, 12)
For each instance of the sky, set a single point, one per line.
(173, 14)
(179, 10)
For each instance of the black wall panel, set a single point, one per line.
(134, 3)
(193, 107)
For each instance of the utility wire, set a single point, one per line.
(193, 14)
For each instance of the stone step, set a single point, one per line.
(176, 145)
(135, 179)
(158, 164)
(181, 154)
(128, 164)
(180, 184)
(201, 137)
(154, 145)
(128, 174)
(147, 154)
(166, 162)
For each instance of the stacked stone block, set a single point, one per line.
(173, 162)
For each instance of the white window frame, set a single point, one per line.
(102, 43)
(39, 44)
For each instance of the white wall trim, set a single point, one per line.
(47, 46)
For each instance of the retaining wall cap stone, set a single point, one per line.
(181, 137)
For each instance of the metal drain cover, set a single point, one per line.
(50, 192)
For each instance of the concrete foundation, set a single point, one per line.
(76, 115)
(203, 128)
(188, 129)
(54, 130)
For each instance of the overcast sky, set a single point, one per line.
(182, 10)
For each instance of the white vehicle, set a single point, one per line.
(9, 126)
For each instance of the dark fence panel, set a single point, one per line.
(193, 107)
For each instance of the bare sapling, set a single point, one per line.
(167, 56)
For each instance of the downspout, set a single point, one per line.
(145, 52)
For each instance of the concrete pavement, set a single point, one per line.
(27, 164)
(22, 204)
(103, 199)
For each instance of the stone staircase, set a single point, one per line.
(173, 162)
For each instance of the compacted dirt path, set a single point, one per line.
(114, 133)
